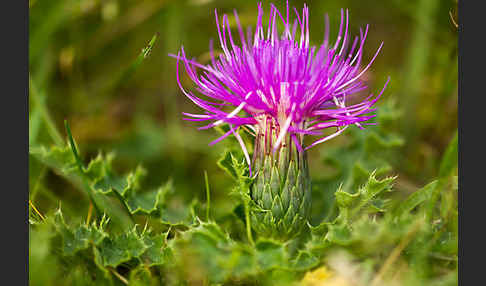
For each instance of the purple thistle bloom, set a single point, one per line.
(280, 80)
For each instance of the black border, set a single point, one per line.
(471, 142)
(15, 138)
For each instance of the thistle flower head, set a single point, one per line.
(274, 83)
(277, 77)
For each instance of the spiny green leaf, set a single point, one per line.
(339, 234)
(122, 248)
(271, 254)
(145, 202)
(103, 180)
(112, 250)
(62, 161)
(98, 260)
(305, 260)
(79, 238)
(226, 163)
(211, 231)
(236, 167)
(157, 253)
(345, 199)
(374, 187)
(367, 199)
(59, 158)
(172, 210)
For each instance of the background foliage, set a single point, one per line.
(384, 200)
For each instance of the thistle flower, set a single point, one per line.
(281, 89)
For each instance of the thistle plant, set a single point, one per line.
(281, 89)
(101, 211)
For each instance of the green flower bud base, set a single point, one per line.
(281, 190)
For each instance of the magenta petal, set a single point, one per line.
(279, 76)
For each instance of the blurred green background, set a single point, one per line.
(80, 58)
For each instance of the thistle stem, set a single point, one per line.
(208, 197)
(248, 223)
